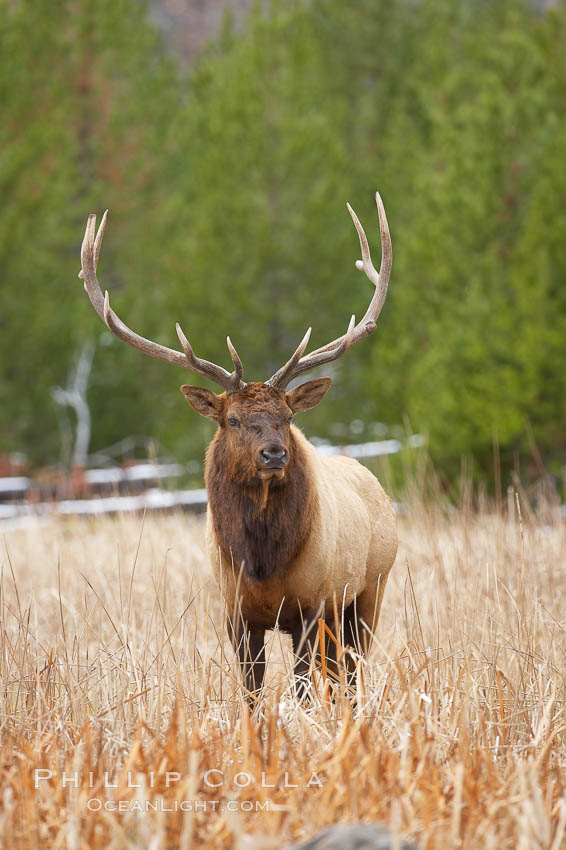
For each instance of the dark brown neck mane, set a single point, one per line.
(264, 539)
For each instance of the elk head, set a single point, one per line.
(254, 417)
(255, 425)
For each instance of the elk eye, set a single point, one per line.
(233, 422)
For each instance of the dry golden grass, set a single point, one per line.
(115, 658)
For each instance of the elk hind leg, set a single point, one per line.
(359, 621)
(367, 611)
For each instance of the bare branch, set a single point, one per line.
(74, 395)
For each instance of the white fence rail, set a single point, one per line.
(19, 512)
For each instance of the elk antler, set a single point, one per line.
(90, 252)
(335, 349)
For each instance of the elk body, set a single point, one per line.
(291, 536)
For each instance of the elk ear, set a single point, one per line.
(308, 395)
(204, 401)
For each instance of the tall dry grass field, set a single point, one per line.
(123, 724)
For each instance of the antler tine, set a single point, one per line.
(88, 262)
(333, 350)
(90, 252)
(99, 236)
(230, 381)
(238, 368)
(282, 377)
(379, 279)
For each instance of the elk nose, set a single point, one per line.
(274, 456)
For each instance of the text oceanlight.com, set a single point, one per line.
(95, 804)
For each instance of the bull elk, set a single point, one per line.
(291, 536)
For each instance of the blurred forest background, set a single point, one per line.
(227, 162)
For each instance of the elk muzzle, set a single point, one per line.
(272, 460)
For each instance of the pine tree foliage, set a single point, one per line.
(88, 108)
(227, 193)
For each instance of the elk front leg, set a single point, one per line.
(304, 638)
(352, 633)
(248, 643)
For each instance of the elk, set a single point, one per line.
(292, 536)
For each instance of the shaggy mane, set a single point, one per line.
(264, 540)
